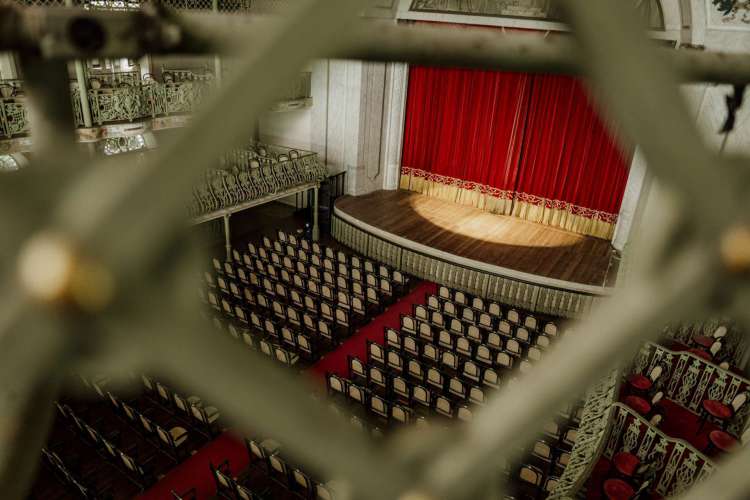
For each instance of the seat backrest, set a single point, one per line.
(394, 361)
(530, 474)
(445, 339)
(483, 354)
(464, 413)
(410, 345)
(379, 406)
(513, 346)
(504, 328)
(715, 347)
(656, 373)
(494, 340)
(336, 384)
(476, 395)
(421, 395)
(457, 387)
(376, 352)
(739, 401)
(430, 352)
(400, 386)
(444, 406)
(376, 376)
(471, 371)
(720, 332)
(393, 338)
(494, 309)
(530, 322)
(415, 370)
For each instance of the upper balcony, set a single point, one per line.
(126, 98)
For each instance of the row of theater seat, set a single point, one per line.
(479, 305)
(69, 477)
(446, 314)
(267, 460)
(379, 394)
(127, 458)
(495, 353)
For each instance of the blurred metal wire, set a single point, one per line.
(115, 236)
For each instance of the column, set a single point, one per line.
(217, 57)
(396, 81)
(228, 237)
(315, 228)
(83, 92)
(634, 191)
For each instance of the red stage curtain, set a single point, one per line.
(570, 162)
(486, 138)
(463, 128)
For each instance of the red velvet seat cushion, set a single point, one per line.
(638, 404)
(703, 341)
(701, 354)
(626, 463)
(617, 489)
(717, 409)
(640, 382)
(722, 440)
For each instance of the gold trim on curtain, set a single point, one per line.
(554, 213)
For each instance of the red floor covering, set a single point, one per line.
(195, 471)
(336, 361)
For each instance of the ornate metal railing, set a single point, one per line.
(689, 379)
(252, 173)
(114, 105)
(14, 120)
(679, 464)
(121, 101)
(735, 342)
(591, 436)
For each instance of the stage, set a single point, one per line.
(503, 245)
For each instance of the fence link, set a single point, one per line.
(91, 279)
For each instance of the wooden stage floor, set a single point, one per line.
(474, 234)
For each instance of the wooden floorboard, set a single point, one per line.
(475, 234)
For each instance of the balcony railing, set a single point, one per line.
(678, 464)
(591, 437)
(122, 97)
(118, 104)
(253, 173)
(689, 379)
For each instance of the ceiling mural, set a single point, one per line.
(547, 10)
(728, 14)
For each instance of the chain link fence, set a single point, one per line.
(97, 271)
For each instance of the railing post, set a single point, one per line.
(315, 228)
(217, 57)
(83, 91)
(227, 237)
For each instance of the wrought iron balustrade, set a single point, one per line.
(679, 465)
(122, 103)
(734, 343)
(689, 379)
(592, 433)
(252, 173)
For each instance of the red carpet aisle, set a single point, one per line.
(336, 361)
(195, 473)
